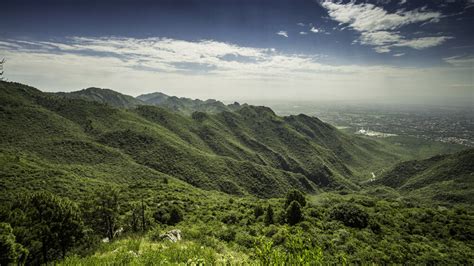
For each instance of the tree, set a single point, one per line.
(295, 195)
(10, 251)
(293, 213)
(269, 215)
(47, 225)
(2, 62)
(258, 211)
(351, 215)
(106, 212)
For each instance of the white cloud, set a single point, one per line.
(314, 30)
(379, 38)
(368, 17)
(422, 43)
(283, 33)
(303, 33)
(209, 69)
(460, 61)
(399, 54)
(378, 27)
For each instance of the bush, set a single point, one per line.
(351, 215)
(227, 234)
(230, 218)
(176, 216)
(169, 216)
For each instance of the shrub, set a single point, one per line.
(176, 215)
(230, 218)
(227, 234)
(170, 216)
(351, 215)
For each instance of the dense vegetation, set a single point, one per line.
(83, 182)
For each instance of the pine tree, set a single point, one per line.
(269, 215)
(107, 211)
(295, 195)
(293, 213)
(54, 222)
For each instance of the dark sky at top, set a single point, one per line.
(395, 33)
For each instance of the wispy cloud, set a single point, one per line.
(379, 28)
(303, 33)
(283, 33)
(399, 54)
(204, 68)
(301, 24)
(460, 61)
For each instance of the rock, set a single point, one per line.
(173, 235)
(118, 232)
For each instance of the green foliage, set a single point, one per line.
(138, 168)
(443, 178)
(298, 250)
(48, 226)
(176, 215)
(168, 215)
(10, 251)
(295, 195)
(106, 211)
(294, 214)
(351, 215)
(269, 215)
(258, 211)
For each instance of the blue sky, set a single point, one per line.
(381, 50)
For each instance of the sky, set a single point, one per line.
(383, 51)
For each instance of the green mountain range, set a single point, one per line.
(247, 151)
(244, 186)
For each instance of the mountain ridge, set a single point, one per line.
(250, 150)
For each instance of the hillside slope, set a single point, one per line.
(250, 151)
(445, 177)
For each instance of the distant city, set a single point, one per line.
(449, 125)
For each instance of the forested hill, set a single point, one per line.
(178, 104)
(94, 182)
(248, 151)
(446, 178)
(187, 105)
(106, 96)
